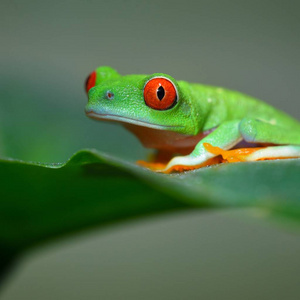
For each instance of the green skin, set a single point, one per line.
(200, 108)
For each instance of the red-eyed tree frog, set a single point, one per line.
(191, 125)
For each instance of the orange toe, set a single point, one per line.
(234, 155)
(154, 166)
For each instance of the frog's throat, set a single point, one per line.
(116, 118)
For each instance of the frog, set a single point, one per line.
(191, 125)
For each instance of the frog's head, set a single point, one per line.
(156, 101)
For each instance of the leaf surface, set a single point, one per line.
(42, 201)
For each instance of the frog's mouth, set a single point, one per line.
(121, 119)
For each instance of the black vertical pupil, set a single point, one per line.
(160, 93)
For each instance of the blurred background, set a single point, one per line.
(47, 50)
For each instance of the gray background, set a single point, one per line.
(48, 48)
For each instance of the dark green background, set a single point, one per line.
(48, 48)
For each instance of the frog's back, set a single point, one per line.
(228, 105)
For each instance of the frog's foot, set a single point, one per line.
(154, 166)
(177, 167)
(189, 162)
(181, 167)
(254, 154)
(156, 161)
(213, 155)
(230, 156)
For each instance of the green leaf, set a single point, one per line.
(43, 201)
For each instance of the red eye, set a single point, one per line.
(160, 93)
(90, 81)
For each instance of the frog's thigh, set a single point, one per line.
(258, 131)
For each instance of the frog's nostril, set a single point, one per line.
(109, 95)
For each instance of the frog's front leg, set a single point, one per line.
(226, 136)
